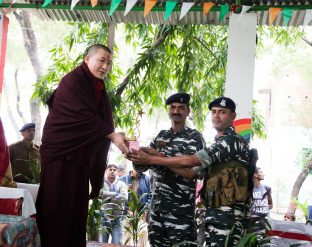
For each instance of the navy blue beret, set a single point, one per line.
(28, 126)
(183, 98)
(223, 102)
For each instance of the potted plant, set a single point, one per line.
(134, 217)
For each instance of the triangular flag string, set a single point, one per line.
(114, 6)
(207, 7)
(273, 13)
(307, 17)
(73, 4)
(149, 4)
(185, 8)
(130, 5)
(169, 8)
(287, 14)
(224, 9)
(46, 3)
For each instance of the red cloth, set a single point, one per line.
(11, 206)
(4, 153)
(290, 235)
(73, 152)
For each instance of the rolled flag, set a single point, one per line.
(307, 17)
(73, 4)
(129, 6)
(207, 7)
(287, 14)
(169, 8)
(149, 4)
(273, 13)
(114, 6)
(186, 6)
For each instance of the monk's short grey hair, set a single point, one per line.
(94, 48)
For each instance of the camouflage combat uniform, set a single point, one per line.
(173, 197)
(219, 221)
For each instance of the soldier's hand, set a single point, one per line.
(151, 151)
(140, 157)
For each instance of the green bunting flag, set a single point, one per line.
(169, 8)
(46, 3)
(287, 14)
(114, 6)
(224, 9)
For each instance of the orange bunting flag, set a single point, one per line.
(273, 13)
(149, 4)
(94, 3)
(207, 6)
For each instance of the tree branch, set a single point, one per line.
(307, 41)
(154, 46)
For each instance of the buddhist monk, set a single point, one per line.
(75, 142)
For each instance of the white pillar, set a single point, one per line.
(240, 68)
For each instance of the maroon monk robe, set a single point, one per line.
(73, 152)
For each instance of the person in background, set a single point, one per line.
(114, 195)
(222, 165)
(200, 215)
(172, 219)
(121, 170)
(261, 201)
(23, 153)
(289, 216)
(140, 184)
(76, 139)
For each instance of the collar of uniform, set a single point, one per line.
(32, 146)
(183, 131)
(228, 131)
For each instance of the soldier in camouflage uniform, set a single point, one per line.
(173, 200)
(228, 148)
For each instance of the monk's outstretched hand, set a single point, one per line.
(120, 140)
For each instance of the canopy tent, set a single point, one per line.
(84, 12)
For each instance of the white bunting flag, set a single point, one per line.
(244, 10)
(185, 8)
(307, 17)
(73, 4)
(129, 6)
